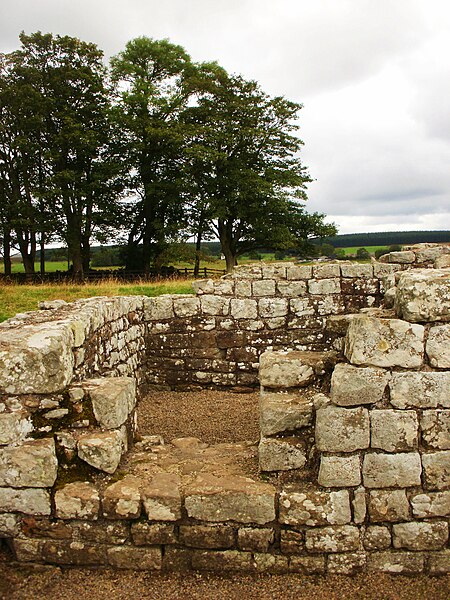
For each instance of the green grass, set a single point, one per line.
(354, 249)
(22, 298)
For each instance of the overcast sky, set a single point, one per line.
(373, 76)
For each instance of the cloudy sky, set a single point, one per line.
(373, 76)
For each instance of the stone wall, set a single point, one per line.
(419, 256)
(355, 440)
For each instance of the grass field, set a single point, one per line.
(354, 249)
(22, 298)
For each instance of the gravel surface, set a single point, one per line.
(212, 416)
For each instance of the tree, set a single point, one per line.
(362, 254)
(153, 82)
(253, 179)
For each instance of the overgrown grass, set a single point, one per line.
(22, 298)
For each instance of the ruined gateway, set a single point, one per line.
(353, 361)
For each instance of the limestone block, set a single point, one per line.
(285, 369)
(431, 504)
(436, 467)
(281, 454)
(439, 562)
(36, 358)
(394, 430)
(221, 560)
(308, 565)
(153, 534)
(251, 271)
(357, 270)
(78, 500)
(324, 287)
(383, 270)
(420, 389)
(224, 287)
(215, 305)
(279, 412)
(314, 508)
(342, 429)
(73, 553)
(435, 426)
(113, 398)
(275, 270)
(403, 563)
(28, 501)
(430, 254)
(348, 563)
(291, 288)
(255, 540)
(203, 286)
(122, 500)
(9, 525)
(343, 538)
(140, 559)
(351, 385)
(243, 308)
(442, 262)
(162, 497)
(404, 257)
(294, 272)
(339, 471)
(423, 295)
(263, 287)
(14, 427)
(207, 536)
(301, 307)
(243, 288)
(359, 505)
(230, 498)
(27, 550)
(438, 346)
(377, 537)
(420, 536)
(384, 342)
(159, 308)
(185, 305)
(99, 532)
(392, 470)
(101, 450)
(292, 542)
(272, 307)
(388, 505)
(32, 464)
(326, 270)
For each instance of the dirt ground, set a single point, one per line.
(213, 417)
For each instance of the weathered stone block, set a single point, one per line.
(36, 359)
(78, 500)
(27, 550)
(152, 534)
(221, 560)
(421, 389)
(435, 426)
(347, 564)
(207, 536)
(141, 559)
(279, 412)
(292, 542)
(392, 470)
(185, 306)
(339, 471)
(284, 370)
(420, 536)
(324, 287)
(384, 342)
(99, 532)
(263, 287)
(423, 295)
(32, 464)
(291, 288)
(436, 466)
(301, 307)
(314, 508)
(326, 270)
(9, 525)
(394, 430)
(431, 504)
(27, 501)
(122, 500)
(388, 505)
(270, 563)
(377, 537)
(342, 429)
(159, 308)
(404, 563)
(113, 398)
(74, 553)
(438, 346)
(272, 307)
(14, 427)
(299, 272)
(203, 286)
(308, 565)
(343, 538)
(162, 498)
(255, 540)
(215, 305)
(359, 505)
(439, 562)
(356, 270)
(101, 450)
(243, 308)
(281, 454)
(231, 498)
(351, 385)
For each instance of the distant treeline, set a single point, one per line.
(384, 238)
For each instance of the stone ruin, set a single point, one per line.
(354, 452)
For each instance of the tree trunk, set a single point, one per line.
(27, 247)
(227, 243)
(7, 251)
(42, 258)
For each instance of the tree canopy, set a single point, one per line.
(154, 149)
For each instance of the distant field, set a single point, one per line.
(354, 249)
(22, 298)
